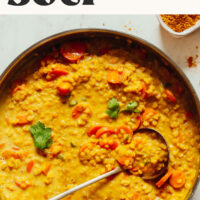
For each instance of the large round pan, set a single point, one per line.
(31, 56)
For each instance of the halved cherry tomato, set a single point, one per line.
(108, 143)
(64, 88)
(148, 113)
(170, 96)
(104, 130)
(29, 166)
(93, 129)
(73, 51)
(77, 111)
(127, 131)
(115, 77)
(162, 181)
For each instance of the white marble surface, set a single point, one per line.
(19, 32)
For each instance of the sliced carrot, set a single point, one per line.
(46, 169)
(77, 111)
(58, 71)
(29, 166)
(21, 183)
(9, 153)
(170, 96)
(64, 88)
(162, 181)
(128, 133)
(177, 179)
(22, 120)
(108, 143)
(115, 77)
(148, 113)
(125, 160)
(104, 130)
(93, 129)
(137, 123)
(73, 51)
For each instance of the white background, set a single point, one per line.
(19, 32)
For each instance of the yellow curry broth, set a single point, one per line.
(29, 173)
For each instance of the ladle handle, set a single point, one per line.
(94, 180)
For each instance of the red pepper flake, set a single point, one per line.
(192, 61)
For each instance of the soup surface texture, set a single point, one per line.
(74, 118)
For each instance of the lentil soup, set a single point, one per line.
(74, 117)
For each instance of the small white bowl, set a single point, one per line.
(178, 34)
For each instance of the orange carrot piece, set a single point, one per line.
(64, 88)
(162, 181)
(59, 71)
(115, 77)
(170, 96)
(177, 179)
(93, 129)
(22, 120)
(77, 111)
(104, 130)
(46, 169)
(23, 184)
(9, 153)
(29, 166)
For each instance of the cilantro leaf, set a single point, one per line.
(113, 108)
(131, 107)
(41, 135)
(113, 104)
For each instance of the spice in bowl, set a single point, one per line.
(179, 23)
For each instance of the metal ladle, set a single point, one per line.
(120, 169)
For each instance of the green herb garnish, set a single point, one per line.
(137, 111)
(72, 145)
(113, 108)
(72, 103)
(131, 107)
(41, 135)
